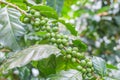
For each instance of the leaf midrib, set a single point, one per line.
(11, 29)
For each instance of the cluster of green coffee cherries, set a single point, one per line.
(61, 41)
(35, 19)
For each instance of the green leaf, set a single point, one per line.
(66, 75)
(26, 71)
(31, 2)
(99, 66)
(116, 18)
(36, 52)
(10, 28)
(19, 3)
(46, 11)
(69, 26)
(62, 64)
(55, 4)
(47, 66)
(81, 45)
(110, 66)
(103, 9)
(42, 33)
(67, 7)
(109, 78)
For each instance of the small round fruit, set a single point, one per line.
(81, 56)
(68, 56)
(78, 54)
(48, 35)
(32, 11)
(26, 20)
(65, 36)
(75, 48)
(84, 76)
(37, 14)
(48, 28)
(64, 57)
(61, 46)
(83, 70)
(42, 22)
(87, 59)
(64, 41)
(58, 36)
(43, 28)
(37, 23)
(55, 44)
(89, 70)
(74, 53)
(37, 19)
(83, 62)
(69, 50)
(63, 52)
(55, 29)
(53, 34)
(59, 40)
(53, 40)
(66, 44)
(29, 15)
(79, 68)
(89, 64)
(73, 59)
(89, 74)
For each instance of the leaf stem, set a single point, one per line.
(14, 6)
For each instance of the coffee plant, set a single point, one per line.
(38, 44)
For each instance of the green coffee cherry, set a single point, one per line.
(55, 44)
(73, 59)
(83, 62)
(37, 19)
(81, 56)
(63, 52)
(29, 15)
(79, 68)
(87, 59)
(61, 46)
(64, 41)
(58, 36)
(83, 70)
(61, 36)
(42, 22)
(53, 40)
(32, 11)
(75, 48)
(37, 23)
(26, 20)
(65, 36)
(48, 35)
(48, 28)
(59, 40)
(32, 22)
(89, 74)
(53, 34)
(55, 29)
(89, 64)
(68, 56)
(43, 28)
(69, 50)
(89, 70)
(74, 53)
(78, 54)
(84, 76)
(37, 14)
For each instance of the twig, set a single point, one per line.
(14, 6)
